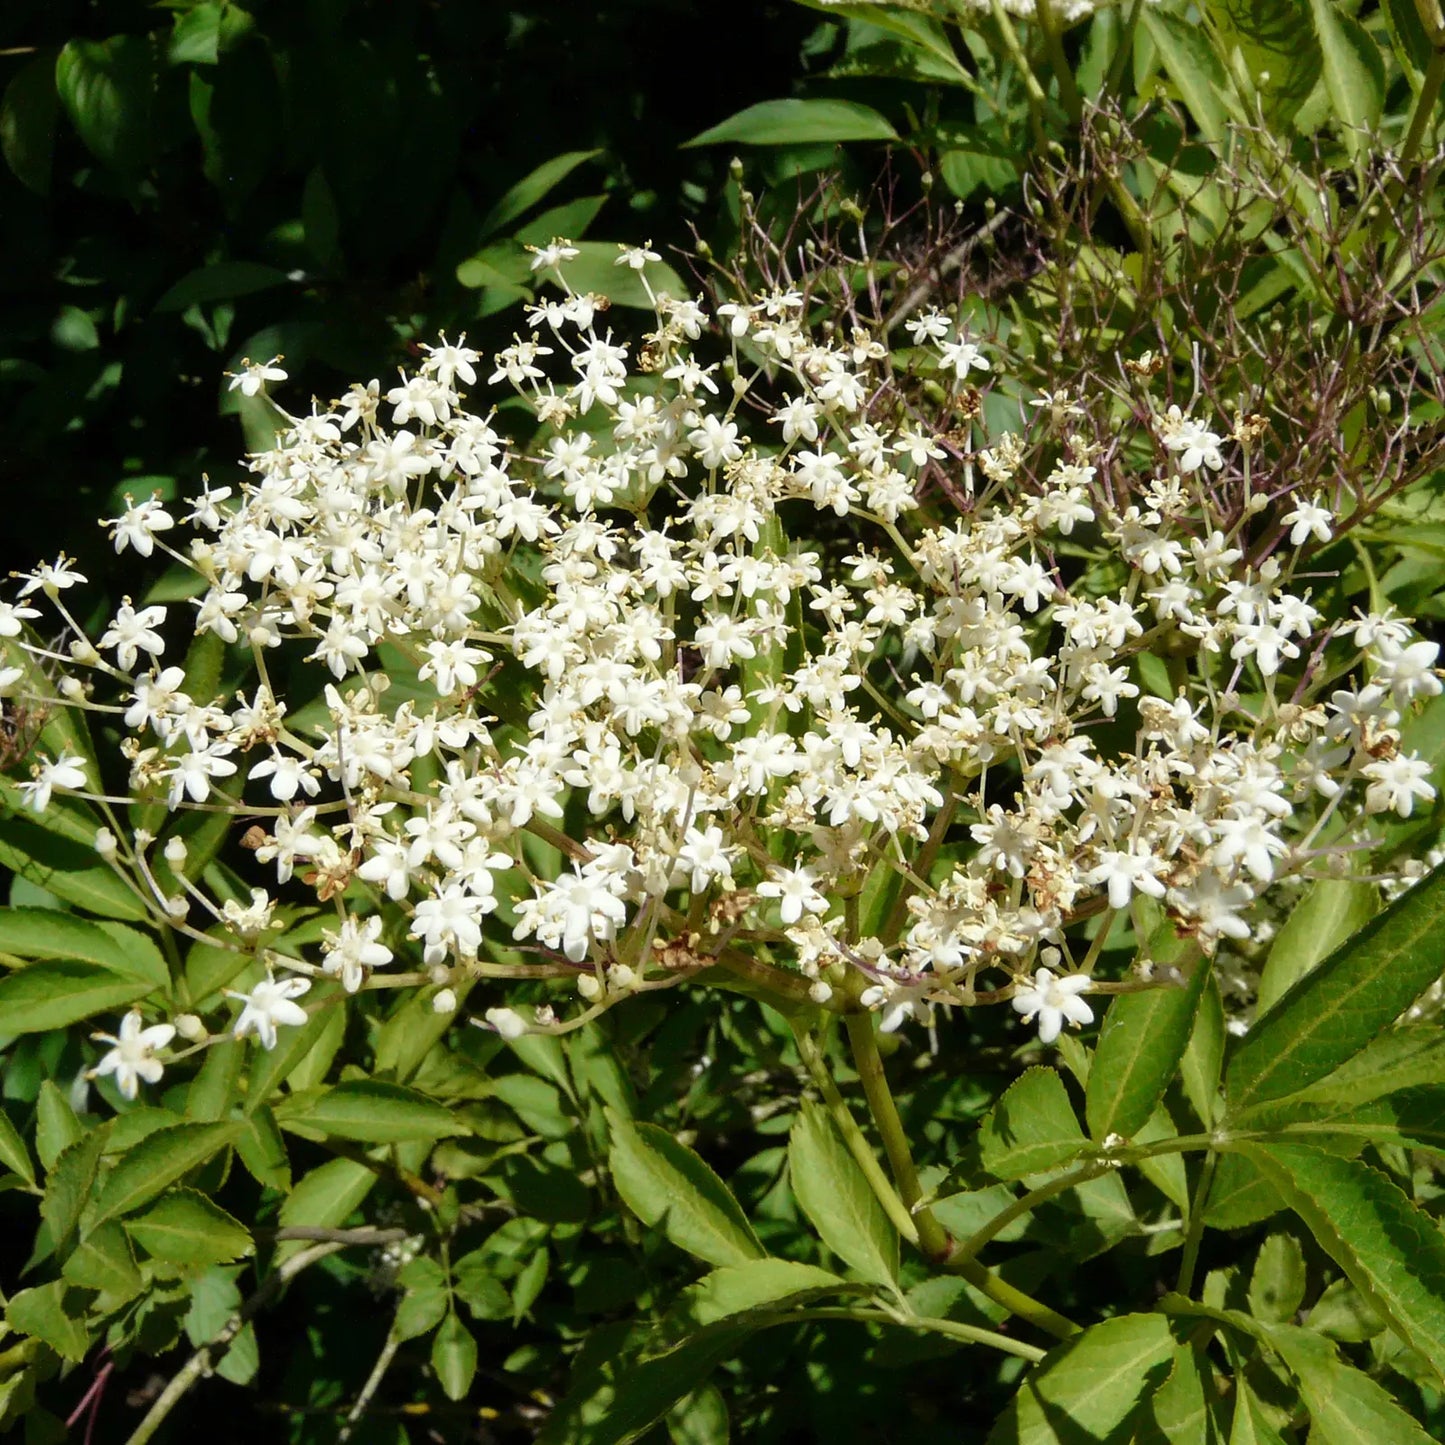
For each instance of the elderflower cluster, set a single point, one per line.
(737, 660)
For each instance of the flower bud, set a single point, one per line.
(820, 992)
(105, 843)
(176, 852)
(507, 1022)
(588, 986)
(445, 1002)
(188, 1026)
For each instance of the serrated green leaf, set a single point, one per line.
(68, 1184)
(1337, 1009)
(1203, 1061)
(1140, 1047)
(103, 1261)
(49, 995)
(1392, 1253)
(1278, 56)
(369, 1110)
(1249, 1424)
(1192, 65)
(798, 122)
(424, 1298)
(1032, 1128)
(184, 1227)
(835, 1195)
(623, 1399)
(760, 1284)
(56, 1126)
(667, 1186)
(55, 1313)
(107, 87)
(324, 1199)
(1345, 1405)
(1354, 72)
(262, 1150)
(454, 1357)
(14, 1156)
(1182, 1408)
(1277, 1286)
(1332, 911)
(1092, 1386)
(46, 851)
(474, 1277)
(157, 1162)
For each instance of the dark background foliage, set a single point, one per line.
(212, 181)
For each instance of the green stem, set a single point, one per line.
(1058, 62)
(1025, 1204)
(853, 1137)
(1026, 1307)
(932, 1238)
(972, 1334)
(1195, 1233)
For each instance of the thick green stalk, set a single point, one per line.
(1025, 1204)
(932, 1238)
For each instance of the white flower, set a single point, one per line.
(635, 256)
(1196, 445)
(794, 890)
(66, 771)
(132, 632)
(132, 1057)
(349, 953)
(268, 1004)
(254, 375)
(1053, 1000)
(139, 524)
(1395, 783)
(1309, 519)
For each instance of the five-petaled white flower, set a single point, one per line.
(268, 1004)
(1053, 1000)
(132, 1055)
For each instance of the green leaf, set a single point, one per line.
(1090, 1388)
(835, 1195)
(1140, 1046)
(52, 994)
(196, 36)
(1334, 1011)
(221, 281)
(475, 1278)
(55, 850)
(1278, 57)
(27, 124)
(965, 168)
(1249, 1424)
(1190, 62)
(324, 1199)
(107, 88)
(56, 1126)
(1411, 44)
(1393, 1254)
(157, 1162)
(424, 1300)
(454, 1357)
(1032, 1128)
(532, 188)
(54, 1313)
(1182, 1407)
(68, 1184)
(1333, 910)
(48, 933)
(1203, 1060)
(741, 1288)
(1401, 1059)
(1342, 1313)
(185, 1227)
(103, 1260)
(1345, 1405)
(260, 1147)
(798, 122)
(1277, 1286)
(14, 1156)
(1240, 1195)
(215, 1300)
(595, 268)
(700, 1419)
(667, 1186)
(1354, 72)
(621, 1400)
(370, 1110)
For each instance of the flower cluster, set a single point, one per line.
(691, 678)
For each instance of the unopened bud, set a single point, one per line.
(820, 992)
(444, 1002)
(507, 1022)
(176, 852)
(621, 978)
(188, 1026)
(105, 843)
(588, 987)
